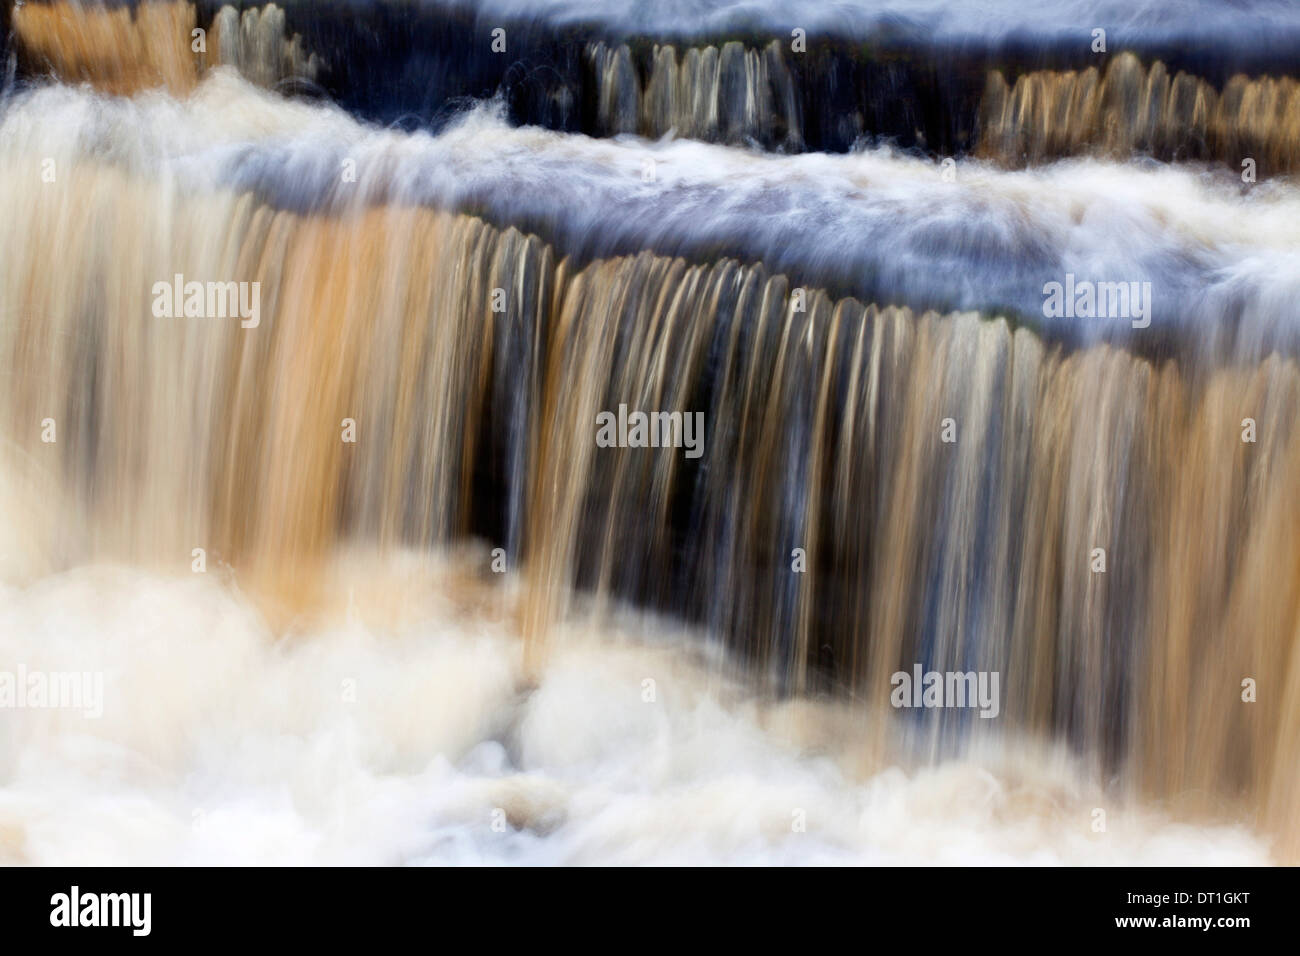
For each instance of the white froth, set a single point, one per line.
(221, 743)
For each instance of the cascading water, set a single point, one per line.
(350, 371)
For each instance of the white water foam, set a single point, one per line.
(221, 744)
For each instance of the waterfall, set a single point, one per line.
(246, 323)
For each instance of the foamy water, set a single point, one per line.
(970, 20)
(401, 729)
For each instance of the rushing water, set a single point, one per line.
(906, 459)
